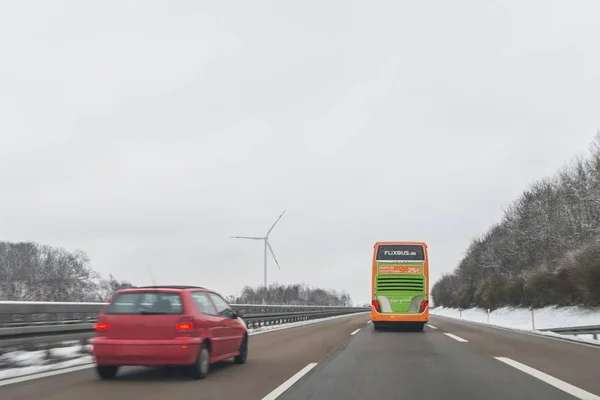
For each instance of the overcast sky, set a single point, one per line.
(149, 132)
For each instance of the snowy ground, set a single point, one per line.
(20, 363)
(521, 318)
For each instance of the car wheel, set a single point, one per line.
(243, 356)
(106, 371)
(202, 366)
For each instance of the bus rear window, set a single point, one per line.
(146, 303)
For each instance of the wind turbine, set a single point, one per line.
(267, 245)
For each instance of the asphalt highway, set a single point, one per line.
(347, 359)
(272, 358)
(463, 365)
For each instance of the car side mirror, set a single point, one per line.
(237, 314)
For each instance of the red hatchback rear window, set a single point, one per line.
(146, 303)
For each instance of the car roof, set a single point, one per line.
(168, 287)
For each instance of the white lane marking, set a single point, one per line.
(458, 338)
(355, 332)
(557, 383)
(369, 321)
(431, 326)
(46, 374)
(521, 331)
(287, 384)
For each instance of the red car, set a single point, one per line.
(168, 326)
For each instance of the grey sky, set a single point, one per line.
(149, 132)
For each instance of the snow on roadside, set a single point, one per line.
(33, 362)
(521, 319)
(36, 368)
(22, 358)
(69, 352)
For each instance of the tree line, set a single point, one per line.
(544, 251)
(33, 272)
(297, 294)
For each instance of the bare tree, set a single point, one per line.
(545, 251)
(33, 272)
(298, 294)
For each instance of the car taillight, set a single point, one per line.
(423, 306)
(101, 326)
(377, 305)
(185, 325)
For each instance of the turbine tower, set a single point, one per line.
(267, 245)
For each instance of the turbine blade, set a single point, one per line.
(275, 223)
(247, 237)
(273, 254)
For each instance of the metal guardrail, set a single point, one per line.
(30, 324)
(576, 330)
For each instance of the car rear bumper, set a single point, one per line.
(180, 351)
(377, 317)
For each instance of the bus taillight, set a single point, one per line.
(377, 305)
(423, 306)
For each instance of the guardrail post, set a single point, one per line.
(488, 316)
(83, 343)
(532, 319)
(48, 351)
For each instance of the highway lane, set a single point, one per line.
(273, 357)
(578, 364)
(455, 361)
(462, 365)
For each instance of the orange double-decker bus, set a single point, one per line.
(400, 285)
